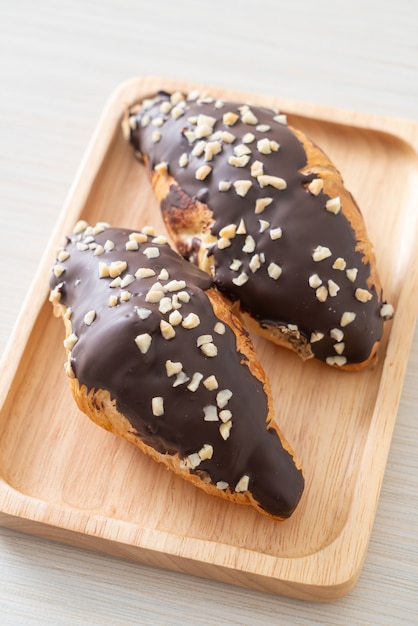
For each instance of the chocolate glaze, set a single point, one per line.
(107, 357)
(302, 216)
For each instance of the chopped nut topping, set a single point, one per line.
(225, 429)
(257, 169)
(387, 311)
(347, 318)
(109, 245)
(261, 204)
(239, 161)
(222, 485)
(181, 378)
(263, 146)
(175, 318)
(242, 187)
(70, 341)
(351, 274)
(315, 281)
(195, 382)
(209, 349)
(224, 185)
(320, 253)
(143, 313)
(281, 118)
(212, 149)
(116, 268)
(240, 280)
(249, 245)
(275, 233)
(98, 250)
(80, 227)
(184, 160)
(229, 118)
(321, 293)
(333, 288)
(175, 285)
(193, 460)
(272, 181)
(274, 271)
(316, 336)
(157, 405)
(81, 247)
(248, 138)
(143, 342)
(202, 172)
(264, 225)
(155, 293)
(144, 272)
(228, 231)
(206, 452)
(131, 245)
(165, 305)
(199, 148)
(242, 229)
(242, 484)
(223, 397)
(223, 242)
(160, 240)
(337, 334)
(58, 270)
(227, 137)
(339, 264)
(219, 328)
(113, 301)
(249, 118)
(161, 168)
(173, 368)
(156, 136)
(211, 383)
(202, 339)
(225, 415)
(255, 263)
(210, 413)
(363, 295)
(151, 252)
(263, 128)
(138, 237)
(183, 296)
(163, 275)
(333, 205)
(191, 321)
(235, 265)
(242, 150)
(336, 360)
(167, 330)
(62, 256)
(339, 347)
(89, 317)
(316, 186)
(127, 280)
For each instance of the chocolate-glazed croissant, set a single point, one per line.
(156, 356)
(253, 202)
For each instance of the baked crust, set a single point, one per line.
(114, 383)
(340, 319)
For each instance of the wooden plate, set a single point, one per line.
(64, 478)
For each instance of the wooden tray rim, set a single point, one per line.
(294, 574)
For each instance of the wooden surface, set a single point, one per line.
(59, 64)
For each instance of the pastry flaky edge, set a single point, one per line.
(195, 219)
(99, 406)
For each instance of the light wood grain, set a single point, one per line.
(341, 425)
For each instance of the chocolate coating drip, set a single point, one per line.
(145, 331)
(293, 260)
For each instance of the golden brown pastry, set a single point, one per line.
(156, 356)
(256, 204)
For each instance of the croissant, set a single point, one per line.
(257, 205)
(156, 356)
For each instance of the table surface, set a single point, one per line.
(59, 61)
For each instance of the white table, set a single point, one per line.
(59, 61)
